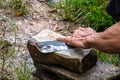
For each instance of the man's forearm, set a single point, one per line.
(107, 41)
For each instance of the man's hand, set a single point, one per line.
(82, 32)
(78, 38)
(107, 41)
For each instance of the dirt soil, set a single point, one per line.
(41, 16)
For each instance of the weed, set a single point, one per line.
(69, 9)
(97, 16)
(88, 12)
(12, 24)
(23, 72)
(19, 7)
(4, 53)
(2, 3)
(112, 59)
(7, 51)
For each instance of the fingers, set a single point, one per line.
(83, 32)
(61, 39)
(72, 41)
(81, 28)
(79, 33)
(78, 38)
(69, 40)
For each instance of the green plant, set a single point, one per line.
(2, 3)
(112, 59)
(23, 72)
(91, 13)
(7, 50)
(19, 7)
(88, 12)
(12, 24)
(4, 54)
(97, 16)
(69, 9)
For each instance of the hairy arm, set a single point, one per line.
(107, 41)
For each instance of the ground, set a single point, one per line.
(40, 16)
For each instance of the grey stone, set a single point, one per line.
(101, 71)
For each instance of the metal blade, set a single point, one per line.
(53, 46)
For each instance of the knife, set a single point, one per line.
(53, 46)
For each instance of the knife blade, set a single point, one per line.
(53, 46)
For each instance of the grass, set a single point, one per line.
(3, 4)
(97, 16)
(23, 73)
(109, 58)
(69, 9)
(12, 24)
(19, 7)
(88, 12)
(7, 51)
(4, 53)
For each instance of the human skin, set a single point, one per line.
(107, 41)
